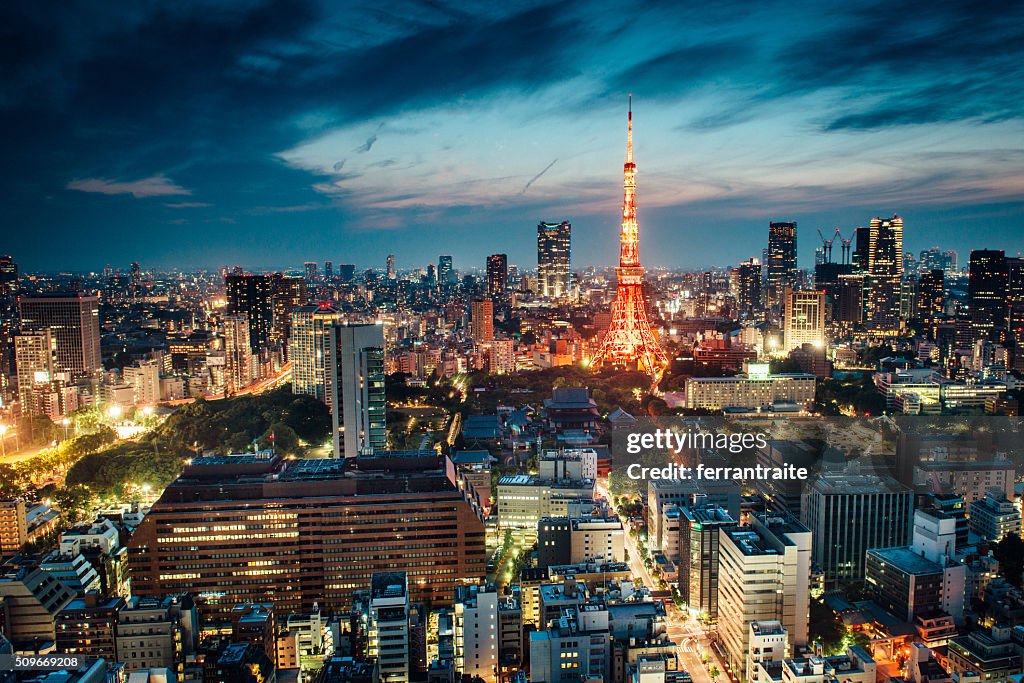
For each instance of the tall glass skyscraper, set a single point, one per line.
(74, 321)
(781, 263)
(253, 296)
(885, 274)
(355, 376)
(554, 259)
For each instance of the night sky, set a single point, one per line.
(268, 133)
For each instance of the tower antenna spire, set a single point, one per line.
(629, 132)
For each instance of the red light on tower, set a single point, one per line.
(630, 342)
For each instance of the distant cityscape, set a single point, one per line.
(348, 475)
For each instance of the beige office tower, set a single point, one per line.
(764, 575)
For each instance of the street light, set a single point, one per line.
(114, 411)
(65, 423)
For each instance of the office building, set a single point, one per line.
(564, 540)
(307, 531)
(576, 646)
(445, 273)
(698, 553)
(987, 293)
(989, 656)
(497, 275)
(239, 362)
(523, 500)
(328, 270)
(905, 583)
(481, 324)
(931, 301)
(388, 629)
(312, 271)
(748, 288)
(994, 517)
(781, 261)
(476, 632)
(554, 260)
(346, 272)
(936, 259)
(355, 390)
(662, 493)
(311, 334)
(764, 575)
(156, 632)
(861, 249)
(74, 323)
(36, 361)
(850, 300)
(288, 294)
(885, 275)
(803, 318)
(252, 295)
(756, 390)
(848, 513)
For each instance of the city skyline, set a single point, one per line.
(268, 134)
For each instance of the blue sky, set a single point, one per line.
(269, 133)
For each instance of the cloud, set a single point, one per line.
(187, 205)
(153, 186)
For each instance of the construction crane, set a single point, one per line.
(847, 258)
(827, 245)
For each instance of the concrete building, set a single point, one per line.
(754, 391)
(563, 541)
(73, 321)
(308, 349)
(764, 576)
(388, 631)
(573, 647)
(994, 517)
(766, 642)
(803, 318)
(33, 599)
(13, 527)
(848, 513)
(523, 500)
(476, 632)
(699, 557)
(355, 376)
(156, 632)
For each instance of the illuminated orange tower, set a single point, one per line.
(629, 341)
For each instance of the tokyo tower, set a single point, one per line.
(629, 341)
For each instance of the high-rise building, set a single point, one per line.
(935, 259)
(630, 342)
(346, 272)
(876, 511)
(987, 292)
(312, 271)
(476, 632)
(803, 318)
(388, 627)
(861, 249)
(13, 527)
(8, 322)
(73, 321)
(748, 288)
(306, 531)
(308, 349)
(699, 537)
(482, 320)
(240, 370)
(445, 274)
(328, 270)
(391, 273)
(781, 264)
(1015, 308)
(288, 293)
(764, 575)
(355, 390)
(554, 259)
(885, 274)
(931, 302)
(850, 300)
(36, 357)
(497, 275)
(252, 295)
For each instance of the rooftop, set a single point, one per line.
(906, 560)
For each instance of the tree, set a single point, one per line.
(1010, 554)
(714, 672)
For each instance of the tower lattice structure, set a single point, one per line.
(630, 342)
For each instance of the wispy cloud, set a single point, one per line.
(187, 205)
(153, 186)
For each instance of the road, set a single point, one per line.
(260, 387)
(692, 643)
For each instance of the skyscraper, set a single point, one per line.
(391, 267)
(239, 368)
(36, 357)
(481, 323)
(8, 321)
(312, 272)
(74, 321)
(699, 527)
(936, 259)
(629, 341)
(444, 269)
(748, 287)
(328, 270)
(803, 318)
(355, 376)
(861, 248)
(885, 274)
(930, 296)
(288, 293)
(308, 349)
(497, 275)
(554, 259)
(1015, 308)
(986, 294)
(781, 261)
(253, 296)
